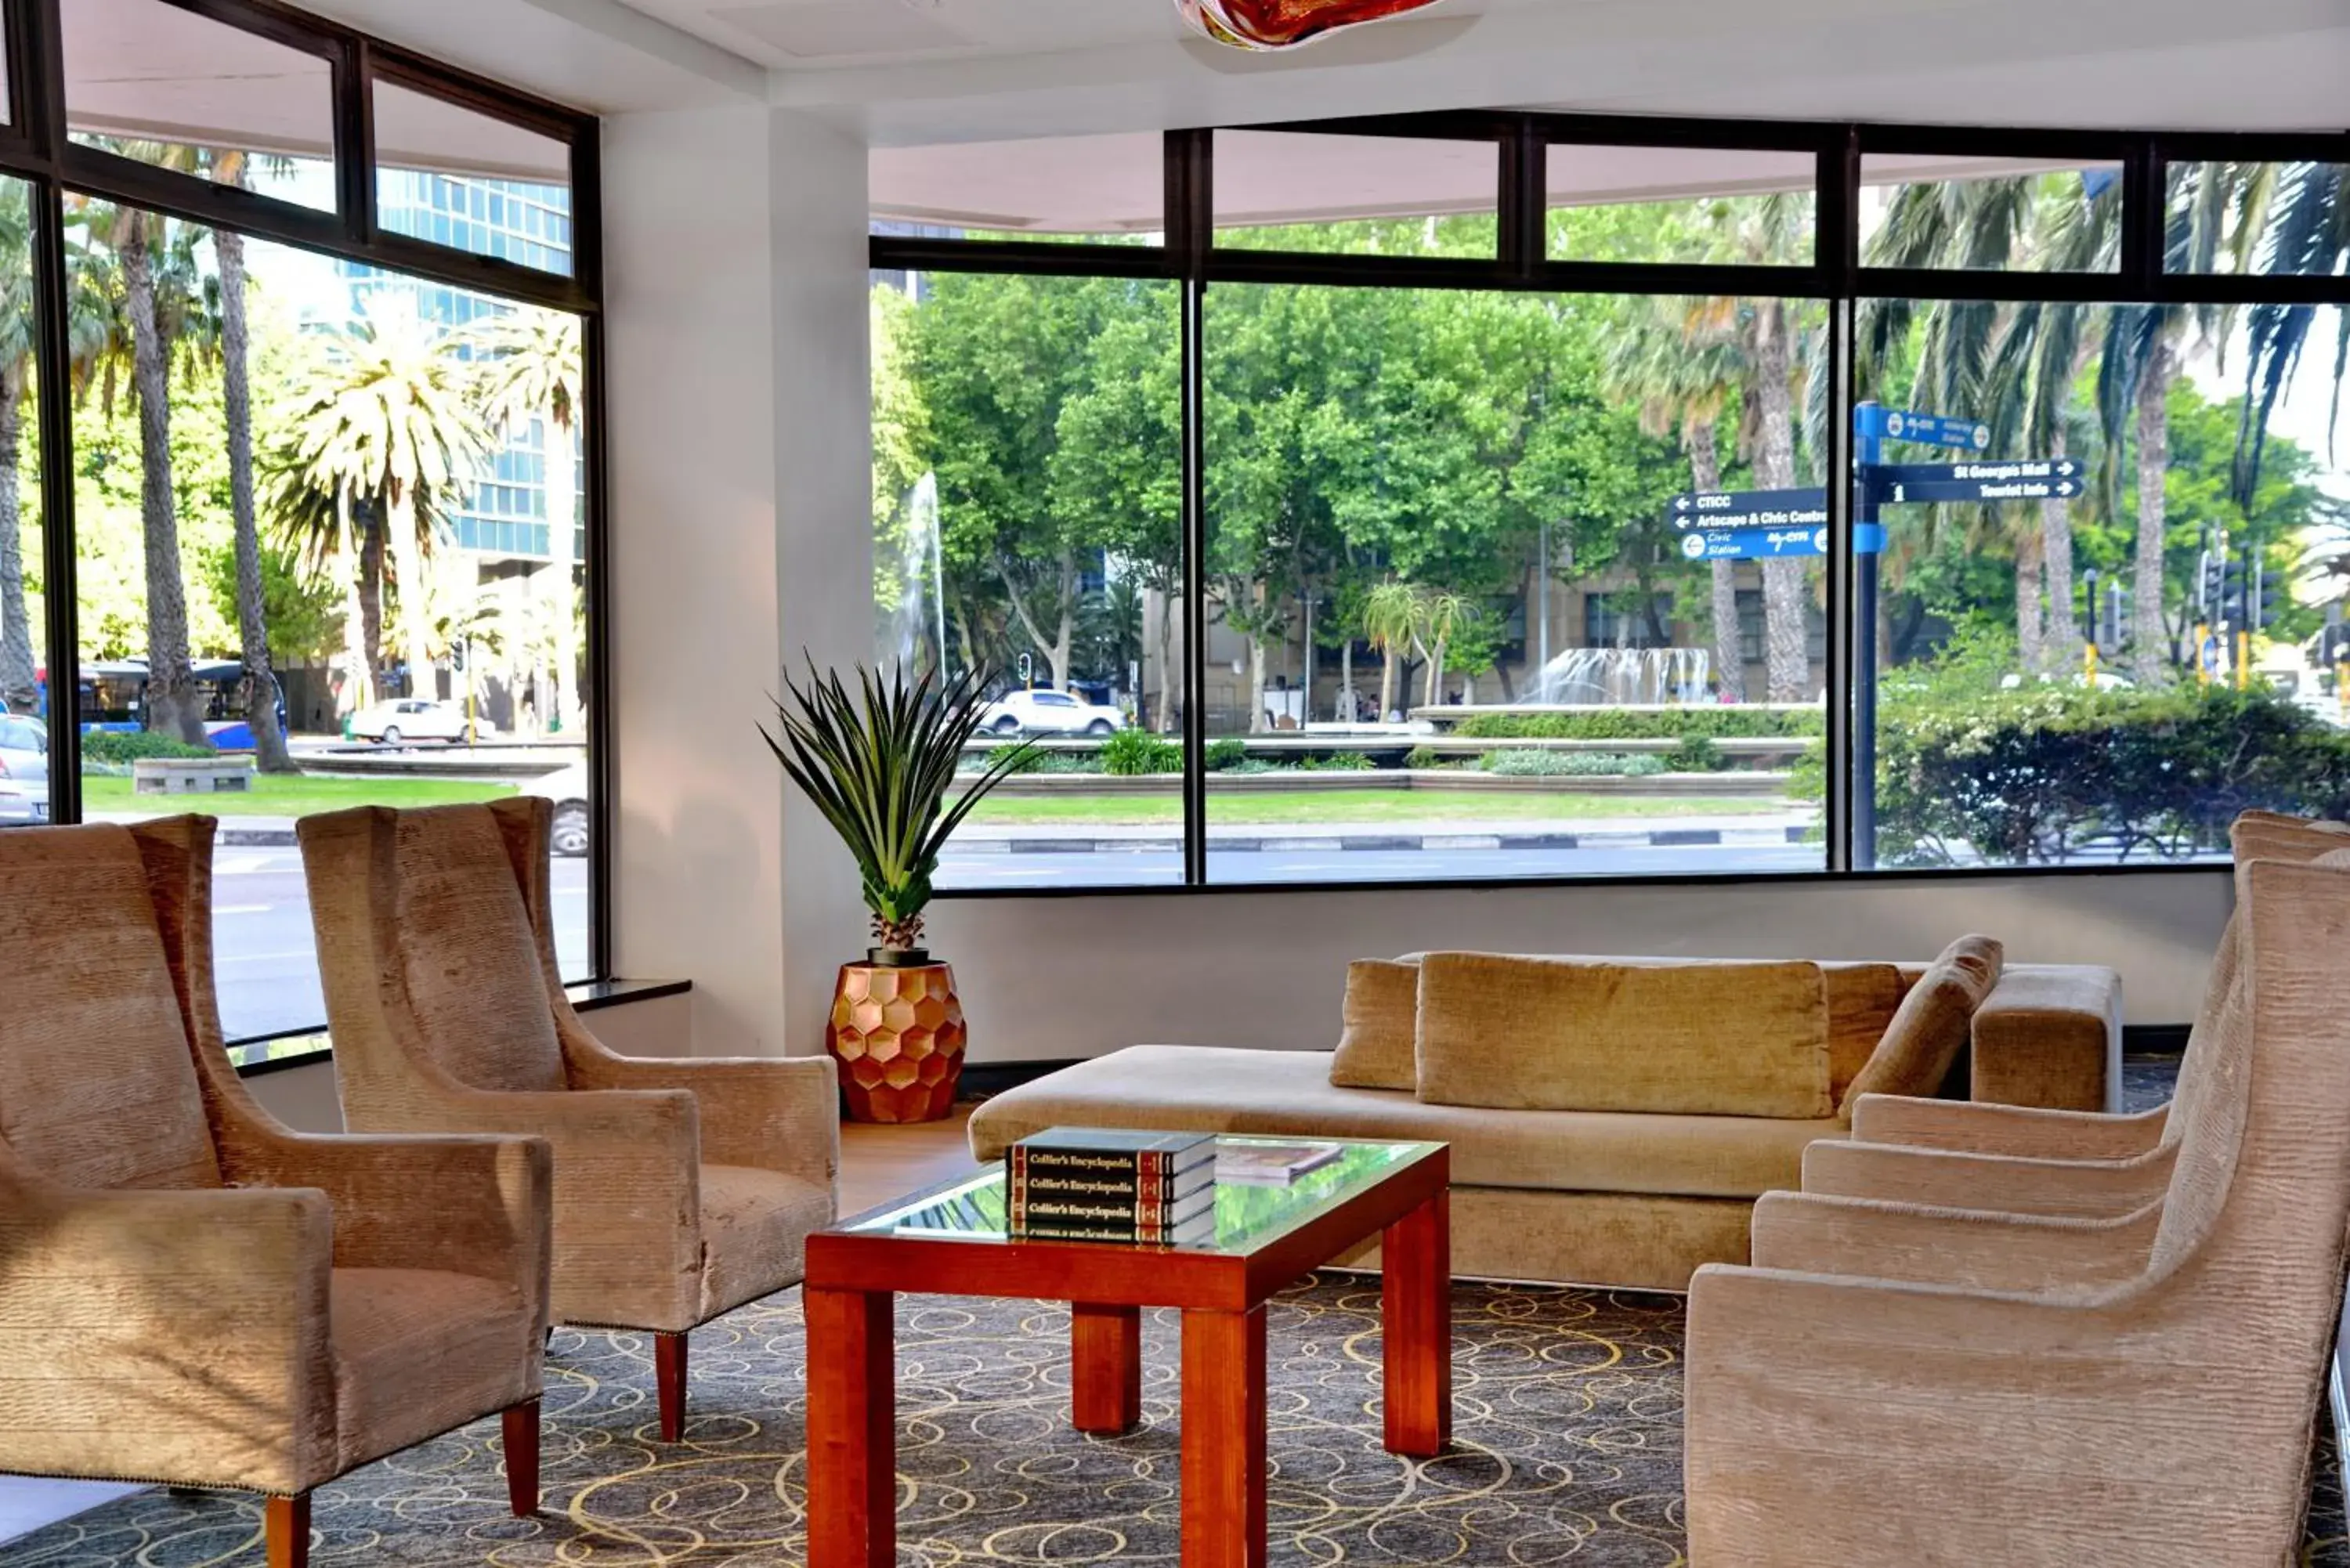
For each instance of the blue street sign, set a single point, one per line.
(1719, 509)
(2015, 479)
(1928, 429)
(1752, 543)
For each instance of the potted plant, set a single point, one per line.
(878, 763)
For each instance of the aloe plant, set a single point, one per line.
(878, 763)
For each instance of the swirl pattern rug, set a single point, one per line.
(1566, 1452)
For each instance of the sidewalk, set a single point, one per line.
(1752, 831)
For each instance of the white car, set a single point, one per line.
(23, 772)
(416, 719)
(1049, 713)
(567, 788)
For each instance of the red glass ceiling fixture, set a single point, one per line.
(1284, 24)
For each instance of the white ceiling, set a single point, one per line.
(907, 72)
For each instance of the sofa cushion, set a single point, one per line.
(1862, 999)
(1563, 1035)
(1932, 1024)
(1377, 1041)
(1196, 1088)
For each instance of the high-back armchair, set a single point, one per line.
(190, 1292)
(1897, 1382)
(683, 1188)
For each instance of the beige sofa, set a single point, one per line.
(1634, 1197)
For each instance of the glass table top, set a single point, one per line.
(1248, 1214)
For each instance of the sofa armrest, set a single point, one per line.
(2050, 1035)
(1942, 1179)
(780, 1113)
(1811, 1233)
(478, 1205)
(169, 1335)
(1973, 1127)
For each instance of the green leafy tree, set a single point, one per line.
(530, 372)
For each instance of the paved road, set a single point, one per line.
(1000, 870)
(268, 965)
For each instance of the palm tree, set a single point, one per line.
(1393, 612)
(1684, 376)
(1444, 614)
(150, 278)
(260, 695)
(2299, 218)
(531, 370)
(380, 413)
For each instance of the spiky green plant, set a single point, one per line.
(877, 762)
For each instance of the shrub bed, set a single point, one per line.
(2033, 776)
(1527, 762)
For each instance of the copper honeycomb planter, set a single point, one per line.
(897, 1034)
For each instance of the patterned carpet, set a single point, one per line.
(1567, 1452)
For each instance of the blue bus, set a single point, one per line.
(114, 697)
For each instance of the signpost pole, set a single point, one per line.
(1868, 541)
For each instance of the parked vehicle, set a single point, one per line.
(567, 788)
(416, 719)
(23, 772)
(1049, 713)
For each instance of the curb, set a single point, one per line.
(1656, 839)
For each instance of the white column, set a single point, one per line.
(698, 874)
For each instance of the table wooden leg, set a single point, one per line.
(852, 1432)
(1223, 1440)
(1415, 1304)
(1104, 1367)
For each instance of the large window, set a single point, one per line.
(324, 505)
(1508, 496)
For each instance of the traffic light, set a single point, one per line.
(2267, 594)
(2209, 583)
(2091, 632)
(2117, 615)
(2228, 604)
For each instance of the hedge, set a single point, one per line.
(119, 746)
(2035, 776)
(1718, 721)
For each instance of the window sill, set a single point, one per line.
(302, 1047)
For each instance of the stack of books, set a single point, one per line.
(1103, 1184)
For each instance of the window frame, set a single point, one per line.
(36, 148)
(1834, 277)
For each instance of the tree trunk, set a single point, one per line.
(173, 706)
(562, 524)
(2057, 553)
(1346, 681)
(19, 672)
(1256, 683)
(2031, 645)
(2153, 465)
(1787, 658)
(407, 566)
(1164, 717)
(370, 519)
(1436, 673)
(358, 667)
(1728, 662)
(1386, 684)
(260, 693)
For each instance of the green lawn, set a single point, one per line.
(290, 797)
(1368, 805)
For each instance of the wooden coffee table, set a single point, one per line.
(950, 1241)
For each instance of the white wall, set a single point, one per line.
(1047, 979)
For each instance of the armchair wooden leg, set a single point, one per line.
(521, 1422)
(669, 1378)
(286, 1526)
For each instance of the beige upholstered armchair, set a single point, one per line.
(2017, 1160)
(683, 1188)
(190, 1292)
(1902, 1383)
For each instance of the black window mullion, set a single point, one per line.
(54, 420)
(1523, 229)
(354, 140)
(1190, 226)
(1852, 636)
(603, 760)
(2144, 211)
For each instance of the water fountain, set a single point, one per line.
(1618, 677)
(920, 613)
